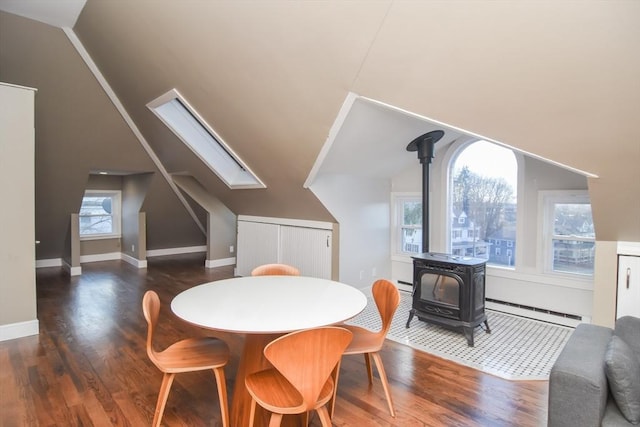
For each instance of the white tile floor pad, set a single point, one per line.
(517, 348)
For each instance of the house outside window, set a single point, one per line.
(100, 214)
(568, 233)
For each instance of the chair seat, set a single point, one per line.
(193, 354)
(275, 393)
(364, 340)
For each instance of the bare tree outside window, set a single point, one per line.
(483, 201)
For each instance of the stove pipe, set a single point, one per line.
(424, 145)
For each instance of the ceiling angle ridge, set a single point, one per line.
(77, 44)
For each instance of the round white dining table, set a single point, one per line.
(263, 308)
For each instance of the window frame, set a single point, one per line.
(116, 214)
(547, 199)
(397, 204)
(448, 166)
(190, 127)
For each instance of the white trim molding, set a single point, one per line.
(52, 262)
(20, 329)
(213, 263)
(134, 261)
(176, 251)
(629, 248)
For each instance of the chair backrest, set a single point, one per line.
(275, 270)
(151, 310)
(307, 358)
(387, 298)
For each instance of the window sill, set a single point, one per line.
(101, 237)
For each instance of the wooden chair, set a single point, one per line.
(192, 354)
(275, 270)
(301, 381)
(369, 343)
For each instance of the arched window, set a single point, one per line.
(482, 196)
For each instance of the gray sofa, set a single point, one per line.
(596, 379)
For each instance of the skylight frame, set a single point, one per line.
(185, 122)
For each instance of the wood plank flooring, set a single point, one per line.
(88, 366)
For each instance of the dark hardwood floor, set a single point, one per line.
(88, 366)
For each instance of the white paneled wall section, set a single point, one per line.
(307, 245)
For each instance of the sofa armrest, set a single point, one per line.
(578, 389)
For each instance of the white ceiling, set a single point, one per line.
(59, 13)
(373, 139)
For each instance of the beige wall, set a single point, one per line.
(605, 284)
(17, 251)
(79, 130)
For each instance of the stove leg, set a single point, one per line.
(411, 314)
(486, 324)
(468, 333)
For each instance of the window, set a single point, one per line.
(483, 192)
(100, 215)
(568, 232)
(186, 123)
(408, 224)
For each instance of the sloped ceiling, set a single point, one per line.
(556, 79)
(59, 13)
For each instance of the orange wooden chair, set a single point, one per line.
(301, 381)
(275, 270)
(192, 354)
(369, 343)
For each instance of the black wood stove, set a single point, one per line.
(449, 291)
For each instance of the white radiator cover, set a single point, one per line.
(306, 245)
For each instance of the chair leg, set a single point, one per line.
(335, 375)
(252, 412)
(367, 360)
(323, 414)
(276, 420)
(385, 384)
(222, 394)
(167, 380)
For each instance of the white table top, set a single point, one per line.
(268, 304)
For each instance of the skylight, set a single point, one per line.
(186, 123)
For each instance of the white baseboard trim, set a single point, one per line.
(176, 251)
(53, 262)
(19, 330)
(213, 263)
(544, 317)
(73, 271)
(110, 256)
(134, 261)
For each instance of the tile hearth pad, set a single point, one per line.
(517, 348)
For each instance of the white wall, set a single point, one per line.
(361, 206)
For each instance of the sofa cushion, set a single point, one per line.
(613, 417)
(628, 328)
(623, 374)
